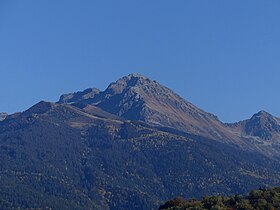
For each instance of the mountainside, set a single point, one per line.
(62, 157)
(262, 125)
(262, 130)
(136, 97)
(131, 146)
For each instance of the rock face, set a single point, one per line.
(135, 97)
(261, 125)
(79, 96)
(3, 115)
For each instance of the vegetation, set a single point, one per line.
(58, 157)
(262, 199)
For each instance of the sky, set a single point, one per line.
(222, 56)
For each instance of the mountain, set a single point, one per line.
(135, 97)
(131, 146)
(262, 131)
(3, 115)
(64, 157)
(262, 125)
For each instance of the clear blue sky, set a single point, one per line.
(223, 56)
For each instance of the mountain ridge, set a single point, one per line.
(136, 97)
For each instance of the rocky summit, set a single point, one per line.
(262, 125)
(135, 97)
(132, 146)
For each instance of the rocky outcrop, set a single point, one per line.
(79, 96)
(3, 115)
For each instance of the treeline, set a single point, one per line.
(261, 199)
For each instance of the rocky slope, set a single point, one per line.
(261, 125)
(262, 130)
(135, 97)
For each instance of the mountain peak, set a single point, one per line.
(129, 81)
(40, 108)
(136, 97)
(133, 77)
(262, 124)
(136, 75)
(262, 117)
(263, 113)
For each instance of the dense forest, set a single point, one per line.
(268, 199)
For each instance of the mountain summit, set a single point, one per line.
(136, 97)
(261, 125)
